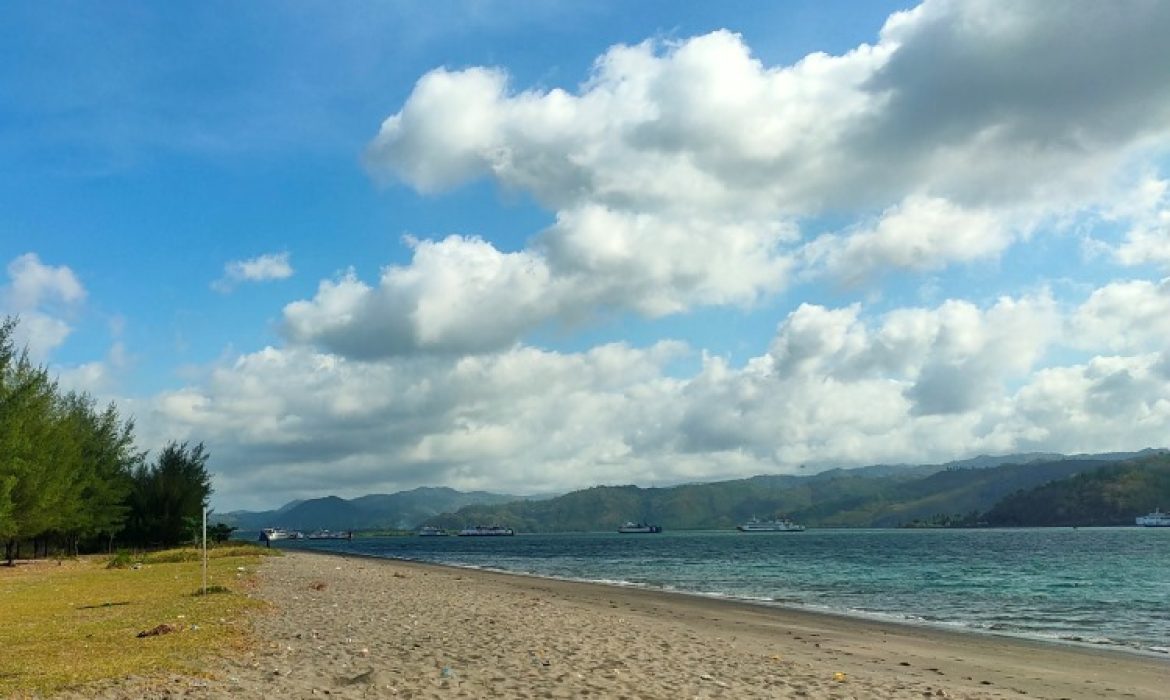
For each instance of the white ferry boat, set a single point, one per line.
(778, 525)
(271, 534)
(486, 531)
(431, 531)
(1155, 519)
(633, 528)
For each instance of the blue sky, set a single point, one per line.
(538, 246)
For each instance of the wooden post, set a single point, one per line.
(204, 550)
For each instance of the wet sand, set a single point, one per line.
(354, 627)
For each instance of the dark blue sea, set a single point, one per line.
(1106, 586)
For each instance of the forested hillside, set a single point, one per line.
(838, 499)
(1110, 496)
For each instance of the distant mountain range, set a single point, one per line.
(957, 493)
(402, 510)
(962, 492)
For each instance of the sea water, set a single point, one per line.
(1107, 586)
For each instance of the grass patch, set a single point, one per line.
(71, 623)
(121, 560)
(184, 554)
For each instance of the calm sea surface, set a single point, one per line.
(1108, 586)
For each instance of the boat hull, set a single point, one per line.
(272, 534)
(770, 526)
(1155, 519)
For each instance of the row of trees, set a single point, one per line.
(70, 474)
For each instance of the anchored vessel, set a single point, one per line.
(431, 531)
(633, 528)
(271, 534)
(778, 525)
(1155, 519)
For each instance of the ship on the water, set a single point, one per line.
(777, 525)
(431, 531)
(272, 534)
(1155, 519)
(633, 528)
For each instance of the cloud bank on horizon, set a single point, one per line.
(686, 176)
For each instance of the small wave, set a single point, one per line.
(608, 582)
(747, 597)
(1082, 639)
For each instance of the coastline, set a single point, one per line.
(874, 618)
(360, 626)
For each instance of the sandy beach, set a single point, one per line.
(354, 627)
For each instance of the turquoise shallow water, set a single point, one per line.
(1108, 586)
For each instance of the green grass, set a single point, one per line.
(64, 624)
(170, 556)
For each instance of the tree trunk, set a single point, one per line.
(8, 551)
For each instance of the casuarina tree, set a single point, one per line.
(168, 494)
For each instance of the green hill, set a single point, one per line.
(1110, 496)
(842, 498)
(1030, 486)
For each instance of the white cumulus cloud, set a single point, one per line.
(32, 284)
(262, 268)
(918, 234)
(837, 387)
(679, 171)
(689, 173)
(44, 297)
(458, 295)
(1132, 316)
(1147, 210)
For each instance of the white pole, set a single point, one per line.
(204, 550)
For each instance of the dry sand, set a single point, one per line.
(357, 628)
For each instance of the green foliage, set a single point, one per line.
(69, 471)
(167, 497)
(1110, 496)
(64, 465)
(185, 554)
(122, 559)
(220, 532)
(173, 556)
